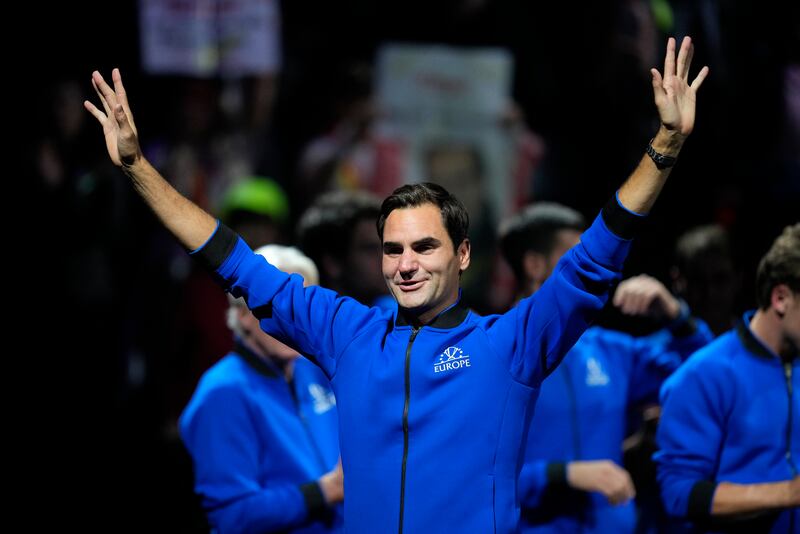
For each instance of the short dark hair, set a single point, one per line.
(780, 265)
(326, 227)
(700, 246)
(454, 215)
(535, 228)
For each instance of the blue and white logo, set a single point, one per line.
(595, 375)
(450, 359)
(323, 398)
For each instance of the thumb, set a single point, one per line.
(656, 78)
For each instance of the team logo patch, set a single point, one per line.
(323, 399)
(450, 359)
(595, 375)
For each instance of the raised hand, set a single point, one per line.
(674, 96)
(119, 129)
(643, 295)
(332, 484)
(602, 476)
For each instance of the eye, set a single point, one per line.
(392, 250)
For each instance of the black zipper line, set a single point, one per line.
(414, 332)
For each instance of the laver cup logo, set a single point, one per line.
(452, 358)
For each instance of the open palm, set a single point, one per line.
(119, 129)
(675, 98)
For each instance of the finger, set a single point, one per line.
(122, 120)
(619, 295)
(630, 489)
(683, 54)
(687, 62)
(658, 82)
(104, 88)
(91, 108)
(641, 303)
(102, 99)
(699, 80)
(669, 59)
(122, 96)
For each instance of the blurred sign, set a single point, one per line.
(207, 38)
(444, 106)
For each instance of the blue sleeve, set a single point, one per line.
(657, 356)
(689, 437)
(315, 321)
(536, 477)
(538, 332)
(220, 436)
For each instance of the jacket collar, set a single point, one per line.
(749, 340)
(448, 318)
(252, 359)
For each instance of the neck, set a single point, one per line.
(766, 326)
(529, 287)
(283, 366)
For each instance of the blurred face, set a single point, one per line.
(263, 342)
(565, 240)
(363, 269)
(419, 263)
(791, 321)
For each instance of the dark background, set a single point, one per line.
(94, 449)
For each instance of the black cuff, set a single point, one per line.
(218, 247)
(557, 474)
(315, 502)
(700, 499)
(622, 222)
(684, 324)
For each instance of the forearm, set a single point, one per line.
(185, 220)
(276, 508)
(732, 498)
(641, 189)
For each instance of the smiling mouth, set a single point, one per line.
(410, 286)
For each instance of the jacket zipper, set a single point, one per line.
(306, 427)
(414, 332)
(787, 372)
(573, 411)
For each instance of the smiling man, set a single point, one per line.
(426, 447)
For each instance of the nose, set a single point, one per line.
(408, 264)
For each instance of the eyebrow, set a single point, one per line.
(431, 241)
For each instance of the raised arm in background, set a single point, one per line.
(185, 220)
(675, 99)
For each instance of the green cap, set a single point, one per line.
(256, 194)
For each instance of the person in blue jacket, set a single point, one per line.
(572, 479)
(434, 400)
(729, 436)
(261, 430)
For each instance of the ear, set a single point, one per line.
(781, 299)
(463, 254)
(535, 267)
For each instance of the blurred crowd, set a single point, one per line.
(273, 151)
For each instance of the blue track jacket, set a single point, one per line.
(432, 420)
(258, 445)
(731, 413)
(581, 414)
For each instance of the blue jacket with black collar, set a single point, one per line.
(731, 413)
(432, 420)
(259, 444)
